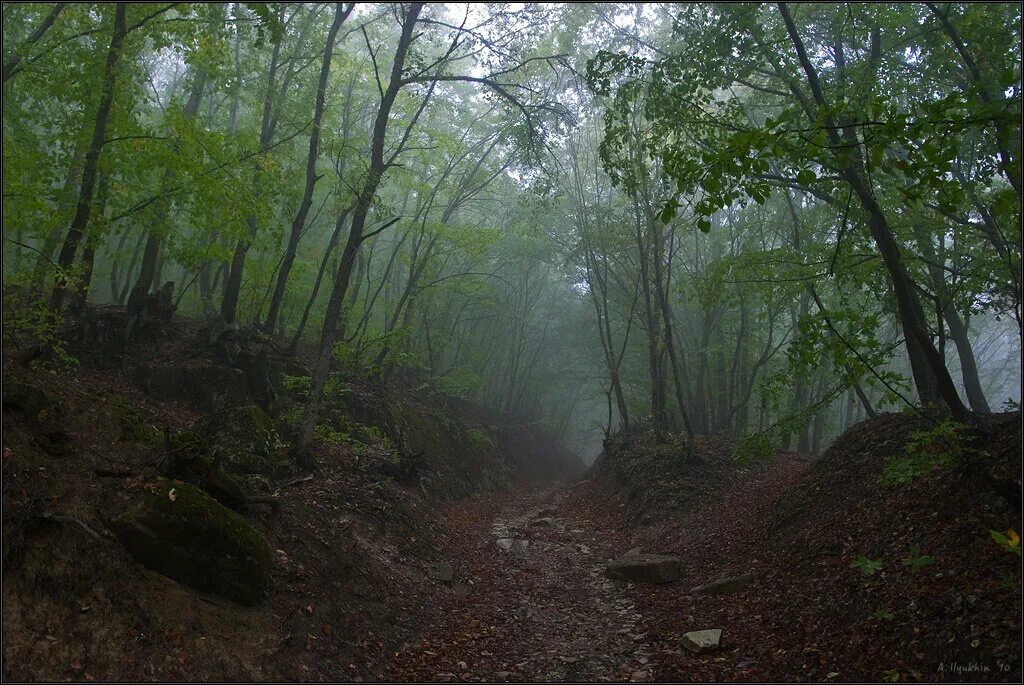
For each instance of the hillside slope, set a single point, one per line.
(798, 525)
(356, 552)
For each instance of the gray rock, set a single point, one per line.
(644, 568)
(635, 552)
(726, 586)
(700, 641)
(505, 544)
(442, 571)
(545, 522)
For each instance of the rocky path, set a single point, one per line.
(531, 600)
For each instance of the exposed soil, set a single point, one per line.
(354, 594)
(543, 610)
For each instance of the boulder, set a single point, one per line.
(645, 568)
(726, 586)
(233, 455)
(183, 533)
(240, 440)
(700, 641)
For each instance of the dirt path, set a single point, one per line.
(531, 600)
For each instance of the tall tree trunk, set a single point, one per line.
(931, 376)
(341, 12)
(373, 178)
(91, 241)
(666, 315)
(160, 227)
(968, 364)
(659, 413)
(92, 158)
(233, 282)
(801, 384)
(328, 251)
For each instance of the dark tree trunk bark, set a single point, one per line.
(151, 256)
(92, 157)
(374, 175)
(341, 12)
(931, 376)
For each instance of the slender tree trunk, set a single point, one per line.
(931, 376)
(666, 315)
(11, 66)
(91, 241)
(331, 244)
(373, 179)
(968, 364)
(341, 12)
(92, 158)
(152, 254)
(818, 432)
(802, 384)
(233, 282)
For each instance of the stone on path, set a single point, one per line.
(700, 641)
(545, 522)
(726, 586)
(644, 568)
(635, 552)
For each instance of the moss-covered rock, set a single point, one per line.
(133, 424)
(180, 531)
(242, 440)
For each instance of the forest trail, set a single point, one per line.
(534, 601)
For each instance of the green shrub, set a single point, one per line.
(480, 439)
(939, 447)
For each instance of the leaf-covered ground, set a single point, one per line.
(352, 595)
(544, 611)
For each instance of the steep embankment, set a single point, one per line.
(330, 573)
(944, 604)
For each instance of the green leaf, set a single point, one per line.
(805, 177)
(868, 567)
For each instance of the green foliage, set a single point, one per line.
(927, 450)
(480, 439)
(882, 614)
(29, 321)
(329, 434)
(916, 561)
(1009, 541)
(298, 385)
(462, 383)
(867, 567)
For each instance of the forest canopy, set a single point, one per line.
(766, 220)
